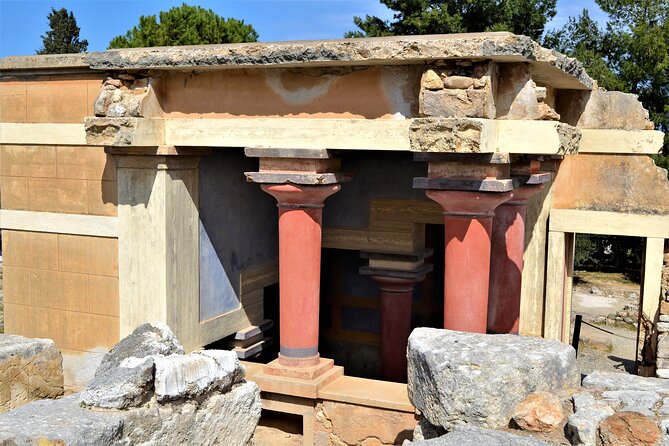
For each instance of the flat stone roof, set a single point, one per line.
(549, 67)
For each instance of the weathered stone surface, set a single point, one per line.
(426, 431)
(459, 82)
(475, 436)
(30, 369)
(601, 109)
(642, 401)
(455, 103)
(218, 418)
(145, 340)
(663, 346)
(60, 420)
(127, 385)
(432, 81)
(456, 378)
(582, 425)
(448, 135)
(624, 381)
(539, 412)
(567, 71)
(629, 429)
(187, 376)
(349, 424)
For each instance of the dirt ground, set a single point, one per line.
(608, 303)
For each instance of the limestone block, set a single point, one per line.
(455, 103)
(215, 419)
(629, 429)
(432, 81)
(457, 135)
(601, 109)
(127, 385)
(476, 436)
(146, 340)
(582, 425)
(539, 412)
(187, 376)
(624, 381)
(30, 369)
(641, 401)
(350, 424)
(456, 378)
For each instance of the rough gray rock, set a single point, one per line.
(624, 381)
(588, 413)
(475, 436)
(145, 340)
(642, 401)
(63, 419)
(457, 135)
(456, 378)
(455, 103)
(30, 369)
(129, 384)
(188, 376)
(217, 419)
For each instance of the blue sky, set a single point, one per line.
(23, 21)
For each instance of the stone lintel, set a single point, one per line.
(398, 257)
(308, 179)
(273, 152)
(464, 184)
(416, 274)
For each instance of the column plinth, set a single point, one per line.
(506, 268)
(300, 218)
(468, 219)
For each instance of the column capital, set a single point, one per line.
(522, 194)
(294, 196)
(469, 203)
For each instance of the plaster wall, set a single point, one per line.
(361, 92)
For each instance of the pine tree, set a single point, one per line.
(527, 17)
(185, 25)
(63, 38)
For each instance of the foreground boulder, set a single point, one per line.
(466, 378)
(30, 369)
(476, 436)
(167, 399)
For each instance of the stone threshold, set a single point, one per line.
(352, 390)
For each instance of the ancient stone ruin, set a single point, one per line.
(422, 181)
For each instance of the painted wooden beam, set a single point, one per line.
(76, 224)
(609, 223)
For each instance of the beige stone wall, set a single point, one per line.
(52, 98)
(60, 179)
(62, 287)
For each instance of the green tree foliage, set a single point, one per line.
(609, 253)
(527, 17)
(63, 37)
(185, 25)
(630, 54)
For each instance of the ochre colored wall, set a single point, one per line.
(52, 98)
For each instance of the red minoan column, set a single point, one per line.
(300, 216)
(468, 219)
(396, 275)
(506, 268)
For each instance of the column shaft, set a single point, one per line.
(300, 216)
(468, 225)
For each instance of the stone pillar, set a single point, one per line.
(468, 225)
(158, 239)
(300, 180)
(396, 275)
(506, 268)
